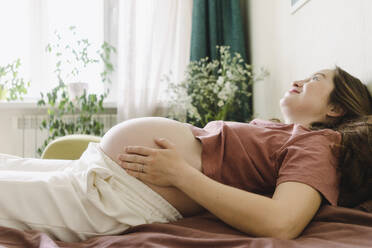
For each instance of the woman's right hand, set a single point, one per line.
(162, 167)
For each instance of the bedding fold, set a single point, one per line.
(332, 227)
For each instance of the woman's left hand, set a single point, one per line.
(157, 166)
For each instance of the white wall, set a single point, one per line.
(319, 35)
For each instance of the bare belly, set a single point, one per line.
(142, 131)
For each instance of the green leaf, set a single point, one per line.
(203, 92)
(76, 55)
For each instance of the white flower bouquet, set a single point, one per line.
(213, 90)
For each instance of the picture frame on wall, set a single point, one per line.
(297, 4)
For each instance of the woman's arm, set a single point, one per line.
(284, 216)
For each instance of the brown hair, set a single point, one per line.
(355, 159)
(349, 94)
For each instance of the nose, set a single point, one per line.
(299, 83)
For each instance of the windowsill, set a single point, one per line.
(32, 104)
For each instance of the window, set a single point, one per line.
(28, 26)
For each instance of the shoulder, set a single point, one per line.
(311, 158)
(320, 138)
(320, 146)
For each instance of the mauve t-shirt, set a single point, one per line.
(259, 155)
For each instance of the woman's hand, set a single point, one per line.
(161, 167)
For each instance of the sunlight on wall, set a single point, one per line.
(319, 35)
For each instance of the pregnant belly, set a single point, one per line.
(142, 131)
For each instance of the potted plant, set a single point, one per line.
(214, 90)
(62, 101)
(73, 56)
(12, 86)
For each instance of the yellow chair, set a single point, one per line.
(68, 147)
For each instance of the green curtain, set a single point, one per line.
(216, 22)
(220, 22)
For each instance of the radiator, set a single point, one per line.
(31, 137)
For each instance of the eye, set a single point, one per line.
(316, 78)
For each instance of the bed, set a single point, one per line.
(331, 227)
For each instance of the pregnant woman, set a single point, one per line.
(290, 162)
(263, 178)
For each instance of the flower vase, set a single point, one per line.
(76, 90)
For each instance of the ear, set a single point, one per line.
(335, 111)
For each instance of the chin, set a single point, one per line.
(283, 103)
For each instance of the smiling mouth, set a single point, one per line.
(294, 91)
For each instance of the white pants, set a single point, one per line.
(72, 200)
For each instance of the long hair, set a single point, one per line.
(355, 155)
(349, 94)
(355, 161)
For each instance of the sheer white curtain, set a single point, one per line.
(28, 26)
(153, 38)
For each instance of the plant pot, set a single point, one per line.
(3, 92)
(76, 89)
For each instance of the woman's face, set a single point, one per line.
(307, 100)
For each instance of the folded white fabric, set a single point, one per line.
(72, 200)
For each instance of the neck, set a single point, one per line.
(301, 122)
